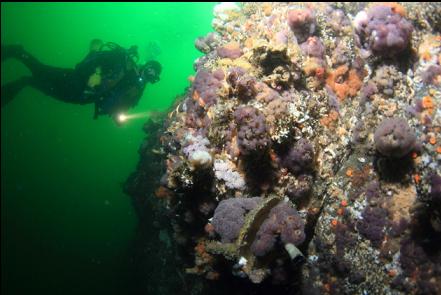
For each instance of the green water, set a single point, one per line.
(65, 222)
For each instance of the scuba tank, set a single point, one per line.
(105, 66)
(132, 52)
(111, 57)
(113, 69)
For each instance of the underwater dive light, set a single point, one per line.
(124, 117)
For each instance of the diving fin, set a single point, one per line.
(11, 89)
(11, 51)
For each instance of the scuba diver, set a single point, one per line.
(108, 76)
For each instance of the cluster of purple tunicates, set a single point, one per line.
(231, 50)
(252, 134)
(283, 221)
(266, 93)
(367, 91)
(229, 216)
(207, 43)
(394, 138)
(412, 255)
(372, 191)
(276, 110)
(313, 47)
(343, 238)
(372, 225)
(416, 262)
(194, 113)
(302, 23)
(244, 86)
(382, 31)
(206, 85)
(300, 158)
(430, 74)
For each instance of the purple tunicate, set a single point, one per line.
(313, 47)
(302, 23)
(252, 135)
(372, 225)
(229, 216)
(394, 138)
(430, 74)
(231, 50)
(205, 86)
(300, 157)
(383, 31)
(283, 221)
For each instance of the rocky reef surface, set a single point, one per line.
(305, 156)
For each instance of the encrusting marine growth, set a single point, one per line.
(313, 131)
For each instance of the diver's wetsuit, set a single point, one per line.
(63, 84)
(119, 89)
